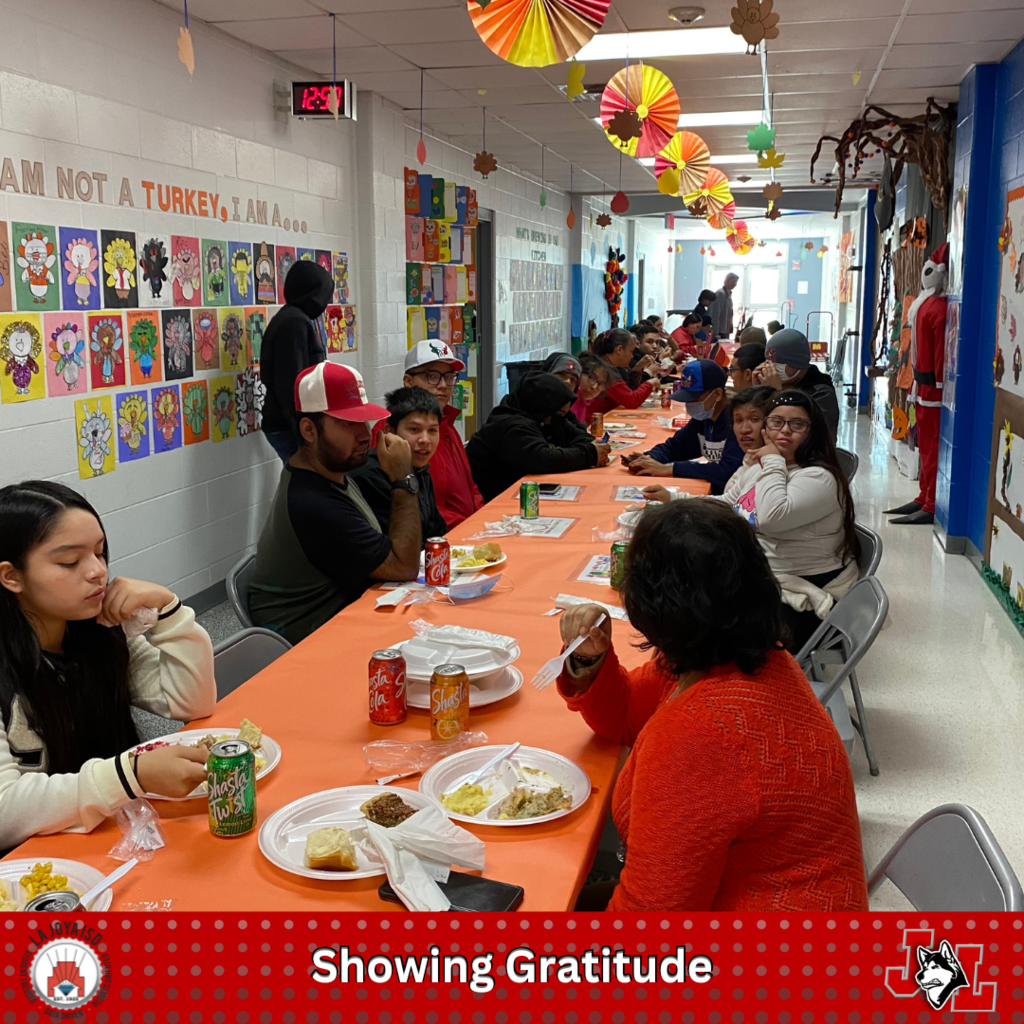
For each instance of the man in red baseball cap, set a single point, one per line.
(322, 546)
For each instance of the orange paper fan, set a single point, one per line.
(712, 197)
(691, 158)
(722, 221)
(650, 93)
(535, 33)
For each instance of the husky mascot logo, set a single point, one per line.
(940, 974)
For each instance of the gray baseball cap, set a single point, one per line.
(790, 348)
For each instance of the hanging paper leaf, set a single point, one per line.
(625, 125)
(760, 138)
(543, 198)
(668, 181)
(603, 220)
(482, 4)
(688, 155)
(332, 102)
(484, 163)
(779, 253)
(856, 77)
(532, 34)
(754, 20)
(650, 94)
(620, 202)
(774, 213)
(808, 245)
(421, 150)
(772, 192)
(771, 159)
(574, 80)
(711, 252)
(570, 221)
(702, 250)
(185, 52)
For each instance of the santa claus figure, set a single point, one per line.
(927, 318)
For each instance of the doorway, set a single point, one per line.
(482, 354)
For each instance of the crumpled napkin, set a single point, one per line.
(418, 852)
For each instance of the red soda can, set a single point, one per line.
(437, 562)
(387, 688)
(666, 398)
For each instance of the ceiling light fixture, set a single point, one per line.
(716, 160)
(686, 15)
(662, 43)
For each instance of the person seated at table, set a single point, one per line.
(69, 675)
(569, 369)
(744, 361)
(527, 435)
(415, 415)
(596, 376)
(647, 343)
(752, 336)
(616, 348)
(736, 794)
(707, 435)
(321, 545)
(691, 339)
(774, 327)
(788, 365)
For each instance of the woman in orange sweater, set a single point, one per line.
(737, 793)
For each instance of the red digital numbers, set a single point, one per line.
(315, 98)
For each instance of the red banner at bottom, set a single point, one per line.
(512, 968)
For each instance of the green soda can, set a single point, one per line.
(529, 499)
(231, 779)
(618, 566)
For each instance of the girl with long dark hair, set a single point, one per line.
(616, 348)
(69, 675)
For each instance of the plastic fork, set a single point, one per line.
(478, 773)
(552, 669)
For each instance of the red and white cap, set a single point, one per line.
(337, 390)
(431, 351)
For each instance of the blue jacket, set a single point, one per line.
(712, 439)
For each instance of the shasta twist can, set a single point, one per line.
(387, 688)
(449, 702)
(618, 563)
(529, 499)
(231, 779)
(437, 562)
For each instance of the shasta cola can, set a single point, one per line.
(449, 702)
(231, 780)
(666, 398)
(387, 688)
(437, 562)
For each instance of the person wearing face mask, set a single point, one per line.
(788, 365)
(527, 435)
(708, 435)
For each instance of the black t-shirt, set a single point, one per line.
(376, 487)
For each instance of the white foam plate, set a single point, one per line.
(80, 877)
(488, 690)
(423, 656)
(459, 552)
(439, 777)
(282, 836)
(269, 748)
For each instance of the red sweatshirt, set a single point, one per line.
(737, 794)
(621, 394)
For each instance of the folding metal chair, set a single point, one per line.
(150, 727)
(849, 461)
(949, 860)
(237, 584)
(839, 643)
(870, 550)
(241, 656)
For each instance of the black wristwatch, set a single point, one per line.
(407, 483)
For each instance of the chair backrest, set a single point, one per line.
(849, 461)
(237, 584)
(870, 550)
(949, 860)
(242, 655)
(851, 628)
(515, 372)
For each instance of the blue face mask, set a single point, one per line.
(697, 411)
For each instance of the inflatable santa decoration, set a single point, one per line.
(927, 317)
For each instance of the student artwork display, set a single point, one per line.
(215, 272)
(1008, 362)
(304, 254)
(340, 277)
(166, 404)
(185, 274)
(222, 408)
(324, 258)
(35, 247)
(265, 274)
(132, 426)
(232, 340)
(205, 339)
(250, 392)
(284, 258)
(94, 430)
(21, 358)
(176, 328)
(255, 326)
(195, 411)
(144, 357)
(241, 285)
(154, 256)
(65, 371)
(80, 275)
(106, 347)
(5, 270)
(120, 288)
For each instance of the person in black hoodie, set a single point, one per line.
(527, 435)
(290, 345)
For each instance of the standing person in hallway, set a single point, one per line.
(291, 343)
(704, 301)
(616, 348)
(721, 308)
(433, 366)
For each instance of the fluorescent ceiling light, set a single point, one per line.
(672, 42)
(725, 158)
(724, 117)
(753, 183)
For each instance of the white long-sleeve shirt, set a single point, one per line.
(170, 674)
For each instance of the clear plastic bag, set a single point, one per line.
(147, 907)
(141, 834)
(508, 527)
(461, 636)
(398, 757)
(619, 533)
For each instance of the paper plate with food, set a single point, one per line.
(320, 836)
(266, 750)
(487, 690)
(530, 787)
(24, 880)
(475, 559)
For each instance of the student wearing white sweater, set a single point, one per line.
(69, 675)
(794, 493)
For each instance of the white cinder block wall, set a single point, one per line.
(98, 86)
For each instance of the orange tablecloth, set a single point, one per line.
(313, 701)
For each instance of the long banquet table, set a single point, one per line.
(313, 701)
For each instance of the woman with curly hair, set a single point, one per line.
(737, 793)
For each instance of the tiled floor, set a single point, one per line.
(220, 622)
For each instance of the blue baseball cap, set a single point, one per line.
(697, 377)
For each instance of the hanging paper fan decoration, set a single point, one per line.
(535, 33)
(649, 93)
(688, 155)
(722, 221)
(712, 197)
(739, 238)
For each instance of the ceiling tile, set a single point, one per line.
(351, 63)
(214, 11)
(422, 25)
(930, 55)
(968, 27)
(300, 33)
(447, 55)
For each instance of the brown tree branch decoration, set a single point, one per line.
(922, 140)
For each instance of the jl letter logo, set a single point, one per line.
(947, 976)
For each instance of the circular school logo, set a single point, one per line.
(67, 973)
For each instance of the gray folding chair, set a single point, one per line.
(242, 655)
(238, 582)
(870, 550)
(949, 860)
(150, 727)
(831, 655)
(849, 461)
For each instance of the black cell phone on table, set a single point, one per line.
(549, 488)
(470, 893)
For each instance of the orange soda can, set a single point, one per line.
(449, 702)
(597, 425)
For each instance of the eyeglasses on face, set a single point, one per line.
(795, 426)
(435, 377)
